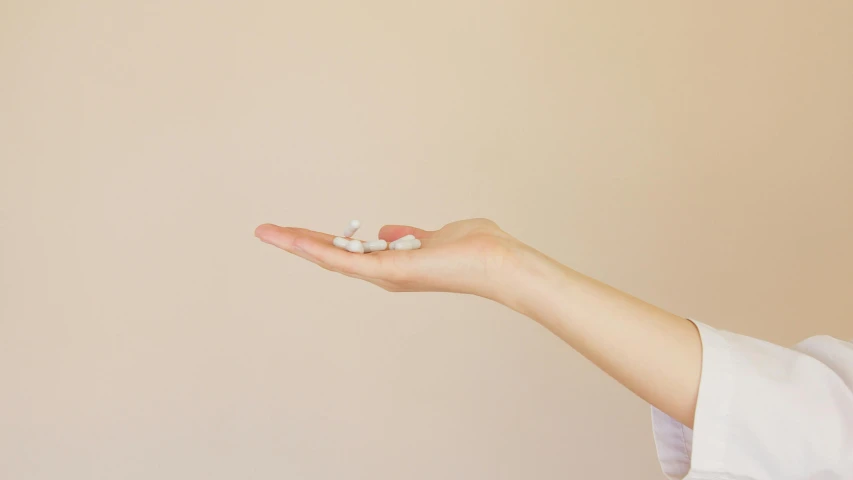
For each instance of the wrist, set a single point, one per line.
(528, 286)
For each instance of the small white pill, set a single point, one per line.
(340, 242)
(375, 246)
(353, 226)
(408, 245)
(355, 246)
(393, 244)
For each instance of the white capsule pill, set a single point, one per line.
(408, 245)
(353, 226)
(375, 246)
(355, 246)
(393, 244)
(340, 242)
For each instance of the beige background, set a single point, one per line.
(695, 155)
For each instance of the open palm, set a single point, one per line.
(469, 256)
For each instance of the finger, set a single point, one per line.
(317, 247)
(339, 260)
(393, 232)
(284, 237)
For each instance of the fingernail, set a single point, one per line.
(262, 230)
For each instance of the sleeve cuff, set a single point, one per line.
(701, 457)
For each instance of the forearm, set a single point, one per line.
(655, 354)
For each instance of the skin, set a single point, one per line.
(653, 353)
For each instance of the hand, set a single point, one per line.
(470, 256)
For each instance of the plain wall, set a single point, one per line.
(698, 155)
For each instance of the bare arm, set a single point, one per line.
(655, 354)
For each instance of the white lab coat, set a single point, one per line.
(764, 412)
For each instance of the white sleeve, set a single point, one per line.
(764, 412)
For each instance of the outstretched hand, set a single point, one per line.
(654, 353)
(470, 256)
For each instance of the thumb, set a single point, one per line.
(390, 233)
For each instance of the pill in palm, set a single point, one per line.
(355, 246)
(353, 226)
(375, 246)
(393, 245)
(413, 244)
(406, 242)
